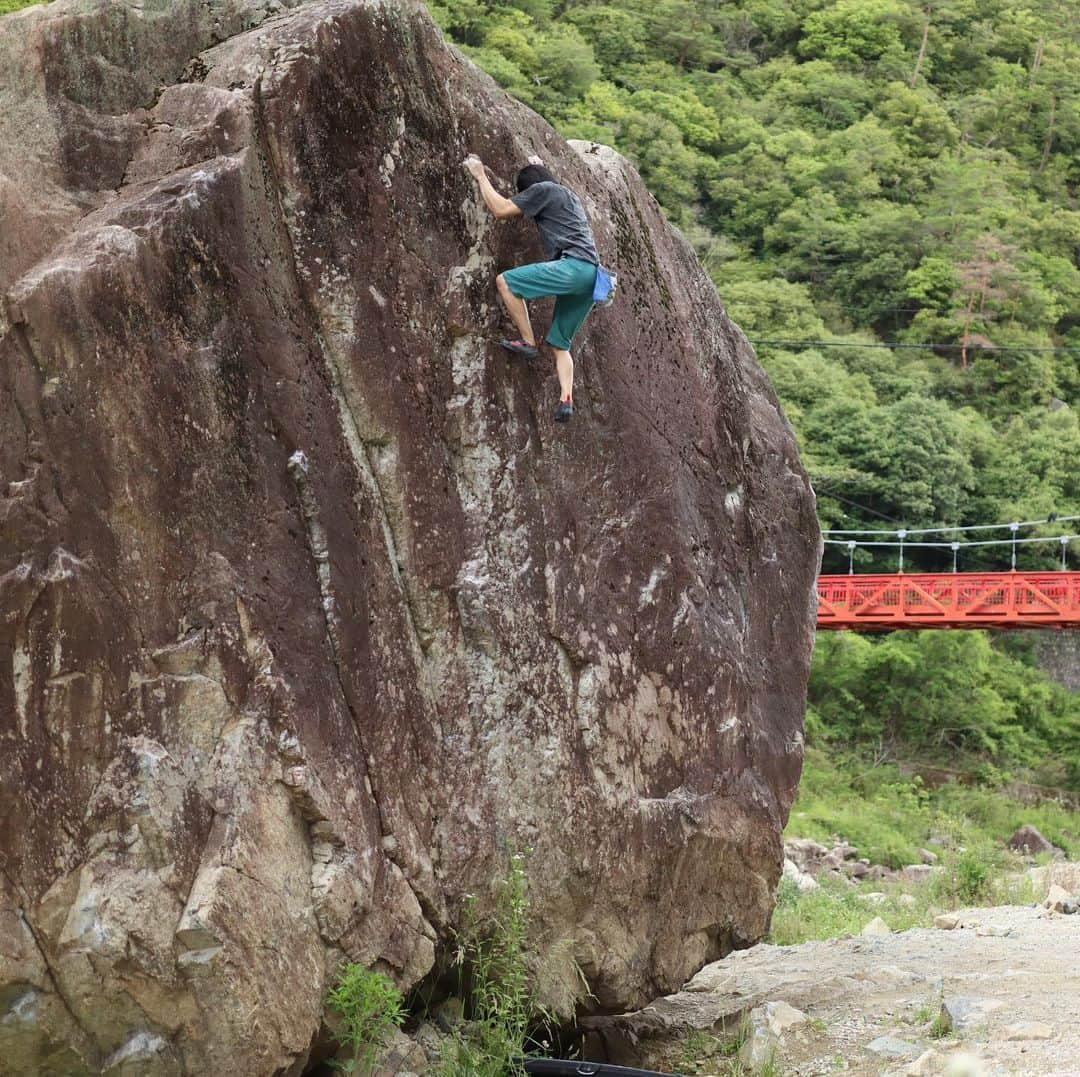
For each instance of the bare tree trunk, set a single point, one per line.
(1049, 134)
(1037, 59)
(922, 50)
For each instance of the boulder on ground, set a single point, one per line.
(308, 610)
(918, 873)
(962, 1013)
(804, 881)
(877, 926)
(925, 1065)
(992, 931)
(1059, 900)
(768, 1025)
(804, 853)
(893, 1047)
(1028, 841)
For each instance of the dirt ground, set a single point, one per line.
(1020, 964)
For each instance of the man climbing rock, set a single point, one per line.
(569, 274)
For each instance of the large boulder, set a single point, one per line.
(309, 612)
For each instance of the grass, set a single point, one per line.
(702, 1052)
(977, 876)
(696, 1051)
(492, 958)
(939, 1027)
(8, 6)
(890, 816)
(836, 908)
(925, 1013)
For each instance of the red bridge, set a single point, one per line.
(950, 600)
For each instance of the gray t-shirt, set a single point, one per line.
(560, 217)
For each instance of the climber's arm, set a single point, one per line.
(500, 207)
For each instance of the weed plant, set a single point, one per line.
(369, 1008)
(492, 958)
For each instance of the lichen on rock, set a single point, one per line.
(260, 717)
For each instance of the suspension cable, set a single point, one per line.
(948, 530)
(903, 543)
(955, 546)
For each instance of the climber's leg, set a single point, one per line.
(519, 314)
(571, 281)
(535, 281)
(564, 367)
(570, 314)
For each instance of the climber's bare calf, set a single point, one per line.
(569, 274)
(515, 307)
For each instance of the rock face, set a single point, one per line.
(309, 612)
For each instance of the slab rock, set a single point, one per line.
(309, 611)
(893, 1047)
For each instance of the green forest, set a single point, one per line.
(854, 173)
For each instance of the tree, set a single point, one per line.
(855, 31)
(986, 278)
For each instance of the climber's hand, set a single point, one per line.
(498, 206)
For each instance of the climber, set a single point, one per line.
(570, 274)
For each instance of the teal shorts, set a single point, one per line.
(570, 280)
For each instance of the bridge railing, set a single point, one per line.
(950, 600)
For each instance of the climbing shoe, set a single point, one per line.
(521, 347)
(564, 412)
